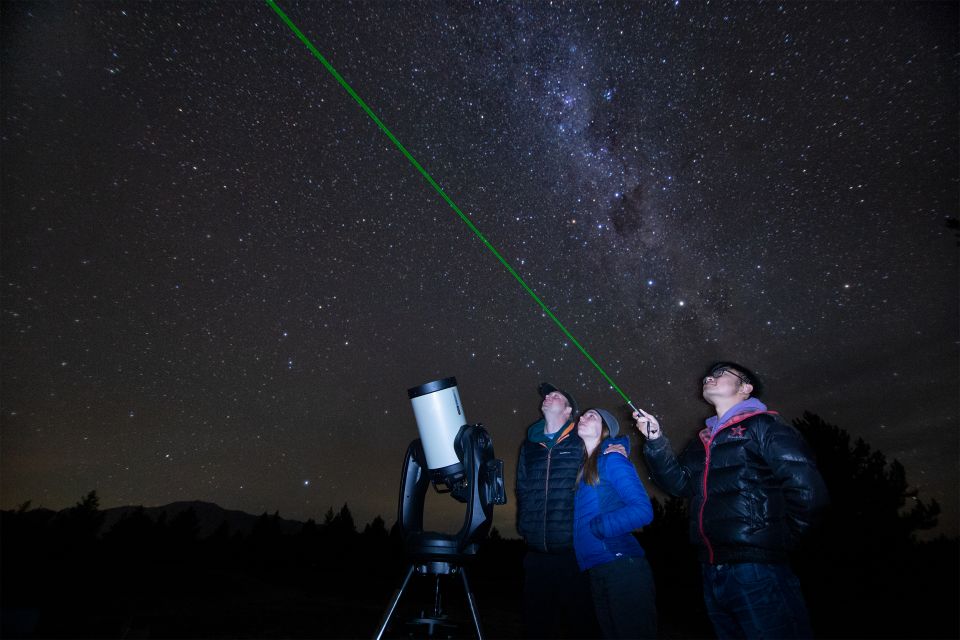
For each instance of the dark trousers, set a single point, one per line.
(750, 600)
(556, 597)
(624, 598)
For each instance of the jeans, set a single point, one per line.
(556, 597)
(752, 600)
(624, 598)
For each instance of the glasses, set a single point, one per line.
(717, 373)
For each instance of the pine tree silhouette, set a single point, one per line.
(862, 569)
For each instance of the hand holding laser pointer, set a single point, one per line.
(647, 424)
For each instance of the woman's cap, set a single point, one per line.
(610, 421)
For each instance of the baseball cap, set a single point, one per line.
(546, 388)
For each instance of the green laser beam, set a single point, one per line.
(433, 183)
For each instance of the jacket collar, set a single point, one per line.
(535, 432)
(750, 405)
(707, 435)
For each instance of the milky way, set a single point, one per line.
(219, 277)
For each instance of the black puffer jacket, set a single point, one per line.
(762, 488)
(546, 478)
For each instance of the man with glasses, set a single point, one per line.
(754, 490)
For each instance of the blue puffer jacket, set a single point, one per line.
(606, 514)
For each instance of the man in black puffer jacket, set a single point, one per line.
(556, 594)
(754, 490)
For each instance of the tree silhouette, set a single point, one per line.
(342, 525)
(863, 569)
(868, 495)
(133, 533)
(376, 531)
(309, 529)
(267, 528)
(82, 523)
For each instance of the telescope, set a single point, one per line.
(456, 458)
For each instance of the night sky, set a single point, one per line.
(219, 278)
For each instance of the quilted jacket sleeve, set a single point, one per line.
(636, 510)
(789, 457)
(666, 470)
(521, 483)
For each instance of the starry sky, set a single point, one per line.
(219, 278)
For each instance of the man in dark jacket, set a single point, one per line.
(556, 594)
(754, 490)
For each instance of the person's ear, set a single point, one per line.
(746, 388)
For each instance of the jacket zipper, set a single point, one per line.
(546, 486)
(706, 470)
(703, 503)
(546, 495)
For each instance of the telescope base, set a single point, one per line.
(436, 624)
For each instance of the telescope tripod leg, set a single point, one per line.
(473, 605)
(393, 603)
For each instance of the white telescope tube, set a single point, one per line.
(439, 414)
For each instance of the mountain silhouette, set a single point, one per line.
(209, 516)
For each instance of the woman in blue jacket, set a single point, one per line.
(611, 503)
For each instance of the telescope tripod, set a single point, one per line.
(436, 620)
